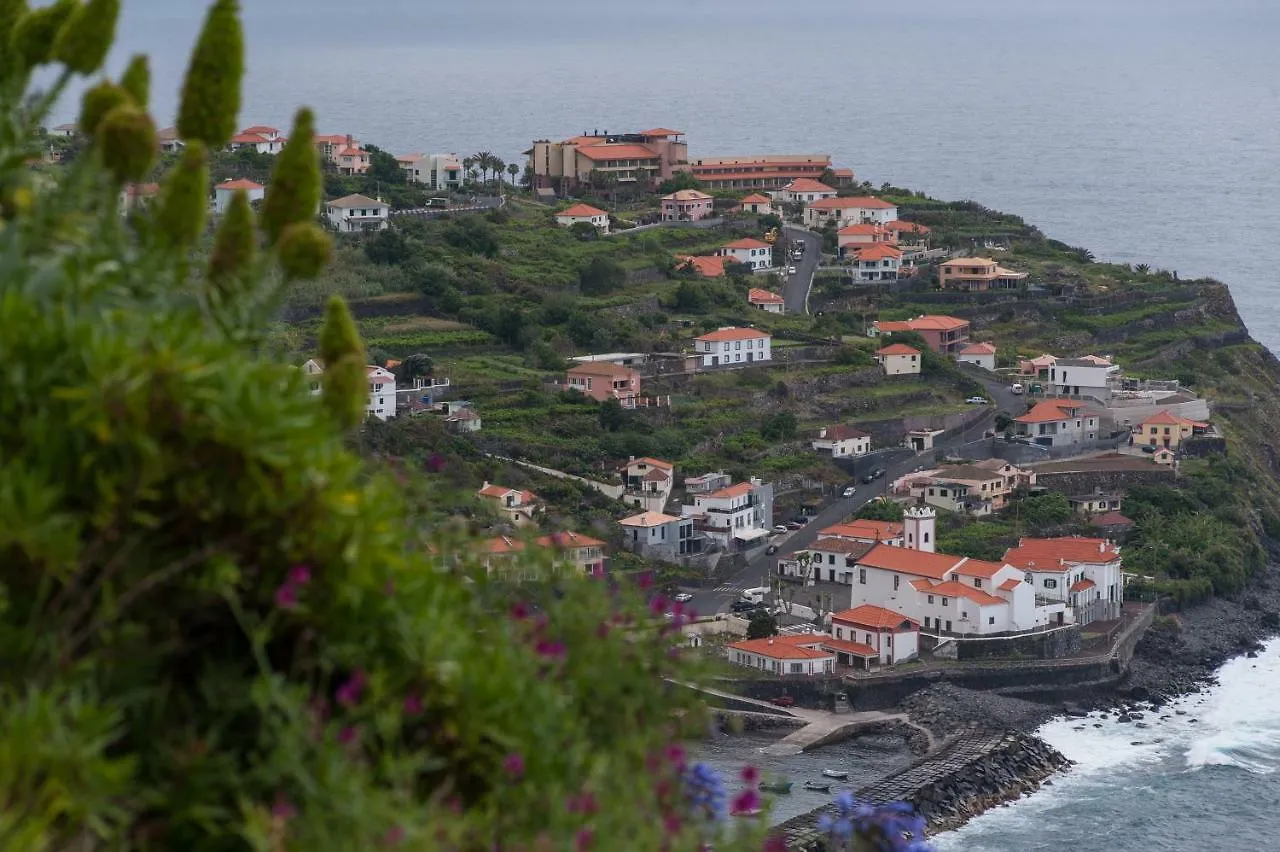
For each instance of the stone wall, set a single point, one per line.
(1052, 645)
(1086, 482)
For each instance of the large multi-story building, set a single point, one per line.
(766, 171)
(435, 171)
(644, 157)
(945, 335)
(736, 514)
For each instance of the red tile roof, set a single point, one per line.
(979, 568)
(724, 334)
(658, 463)
(1082, 586)
(1111, 519)
(840, 433)
(687, 195)
(785, 647)
(865, 529)
(978, 349)
(862, 228)
(740, 490)
(917, 563)
(805, 185)
(858, 649)
(1009, 585)
(1167, 418)
(238, 184)
(260, 128)
(851, 204)
(567, 540)
(841, 545)
(956, 589)
(881, 251)
(707, 267)
(756, 296)
(601, 368)
(618, 151)
(660, 131)
(912, 227)
(582, 211)
(248, 139)
(746, 243)
(757, 198)
(1051, 555)
(869, 615)
(500, 491)
(898, 349)
(647, 519)
(1050, 411)
(932, 322)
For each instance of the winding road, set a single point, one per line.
(795, 291)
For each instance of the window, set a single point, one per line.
(862, 576)
(839, 633)
(926, 538)
(991, 620)
(930, 598)
(1051, 584)
(831, 559)
(977, 584)
(868, 638)
(944, 603)
(797, 668)
(896, 580)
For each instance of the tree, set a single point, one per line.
(762, 625)
(383, 168)
(387, 248)
(770, 220)
(513, 169)
(780, 426)
(679, 181)
(472, 234)
(584, 231)
(881, 509)
(612, 416)
(416, 366)
(497, 166)
(601, 275)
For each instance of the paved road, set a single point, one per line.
(896, 462)
(479, 203)
(795, 291)
(997, 389)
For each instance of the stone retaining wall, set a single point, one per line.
(1106, 482)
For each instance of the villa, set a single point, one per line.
(731, 345)
(944, 335)
(584, 213)
(977, 274)
(686, 205)
(766, 300)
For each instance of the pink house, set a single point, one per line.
(602, 380)
(687, 205)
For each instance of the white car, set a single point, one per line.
(977, 400)
(848, 492)
(791, 270)
(683, 597)
(780, 529)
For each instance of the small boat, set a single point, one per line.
(836, 773)
(748, 812)
(817, 786)
(776, 786)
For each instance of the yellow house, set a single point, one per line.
(1168, 430)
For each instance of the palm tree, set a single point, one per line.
(513, 169)
(498, 166)
(484, 160)
(467, 164)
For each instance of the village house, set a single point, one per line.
(862, 235)
(873, 532)
(65, 130)
(225, 191)
(260, 138)
(760, 205)
(602, 381)
(581, 554)
(707, 267)
(842, 442)
(874, 263)
(686, 205)
(1164, 456)
(1168, 430)
(766, 300)
(1057, 423)
(770, 171)
(707, 482)
(654, 535)
(647, 483)
(751, 252)
(1111, 524)
(620, 359)
(584, 213)
(899, 360)
(644, 157)
(983, 483)
(435, 171)
(944, 335)
(977, 274)
(382, 388)
(735, 515)
(1096, 503)
(1014, 477)
(463, 420)
(512, 504)
(168, 140)
(1085, 573)
(357, 213)
(1083, 377)
(730, 345)
(848, 211)
(828, 559)
(872, 634)
(805, 191)
(1037, 367)
(352, 161)
(785, 655)
(911, 237)
(960, 498)
(137, 196)
(979, 354)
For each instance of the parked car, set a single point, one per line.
(1015, 388)
(874, 475)
(800, 519)
(977, 400)
(744, 606)
(683, 597)
(848, 492)
(783, 701)
(780, 529)
(794, 525)
(1149, 448)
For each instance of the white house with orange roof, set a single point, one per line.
(513, 504)
(795, 655)
(225, 191)
(979, 354)
(580, 554)
(899, 359)
(754, 253)
(841, 442)
(584, 213)
(870, 531)
(1057, 423)
(889, 637)
(881, 262)
(382, 388)
(354, 214)
(707, 267)
(732, 345)
(260, 138)
(757, 203)
(352, 160)
(945, 335)
(648, 483)
(1087, 574)
(849, 211)
(805, 191)
(137, 196)
(766, 300)
(863, 234)
(735, 514)
(656, 535)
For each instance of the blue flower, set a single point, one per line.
(705, 791)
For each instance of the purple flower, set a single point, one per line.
(548, 648)
(286, 596)
(671, 824)
(705, 791)
(750, 774)
(675, 756)
(658, 605)
(413, 705)
(513, 765)
(520, 610)
(348, 735)
(300, 575)
(283, 809)
(746, 801)
(393, 836)
(584, 839)
(348, 694)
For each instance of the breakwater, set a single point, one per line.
(975, 772)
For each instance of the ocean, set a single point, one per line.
(1145, 130)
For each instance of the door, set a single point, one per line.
(948, 626)
(750, 357)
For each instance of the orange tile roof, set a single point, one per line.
(840, 432)
(955, 589)
(870, 615)
(687, 195)
(842, 172)
(862, 228)
(238, 184)
(740, 490)
(978, 349)
(136, 189)
(866, 203)
(647, 519)
(1111, 519)
(601, 368)
(898, 349)
(921, 585)
(970, 261)
(502, 544)
(865, 529)
(502, 491)
(707, 267)
(1082, 586)
(1050, 411)
(746, 243)
(858, 649)
(351, 152)
(582, 211)
(913, 227)
(931, 322)
(724, 334)
(658, 463)
(260, 128)
(785, 647)
(618, 151)
(248, 139)
(917, 563)
(763, 297)
(807, 185)
(881, 251)
(757, 198)
(660, 131)
(841, 545)
(979, 568)
(1009, 585)
(567, 540)
(1051, 555)
(1167, 418)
